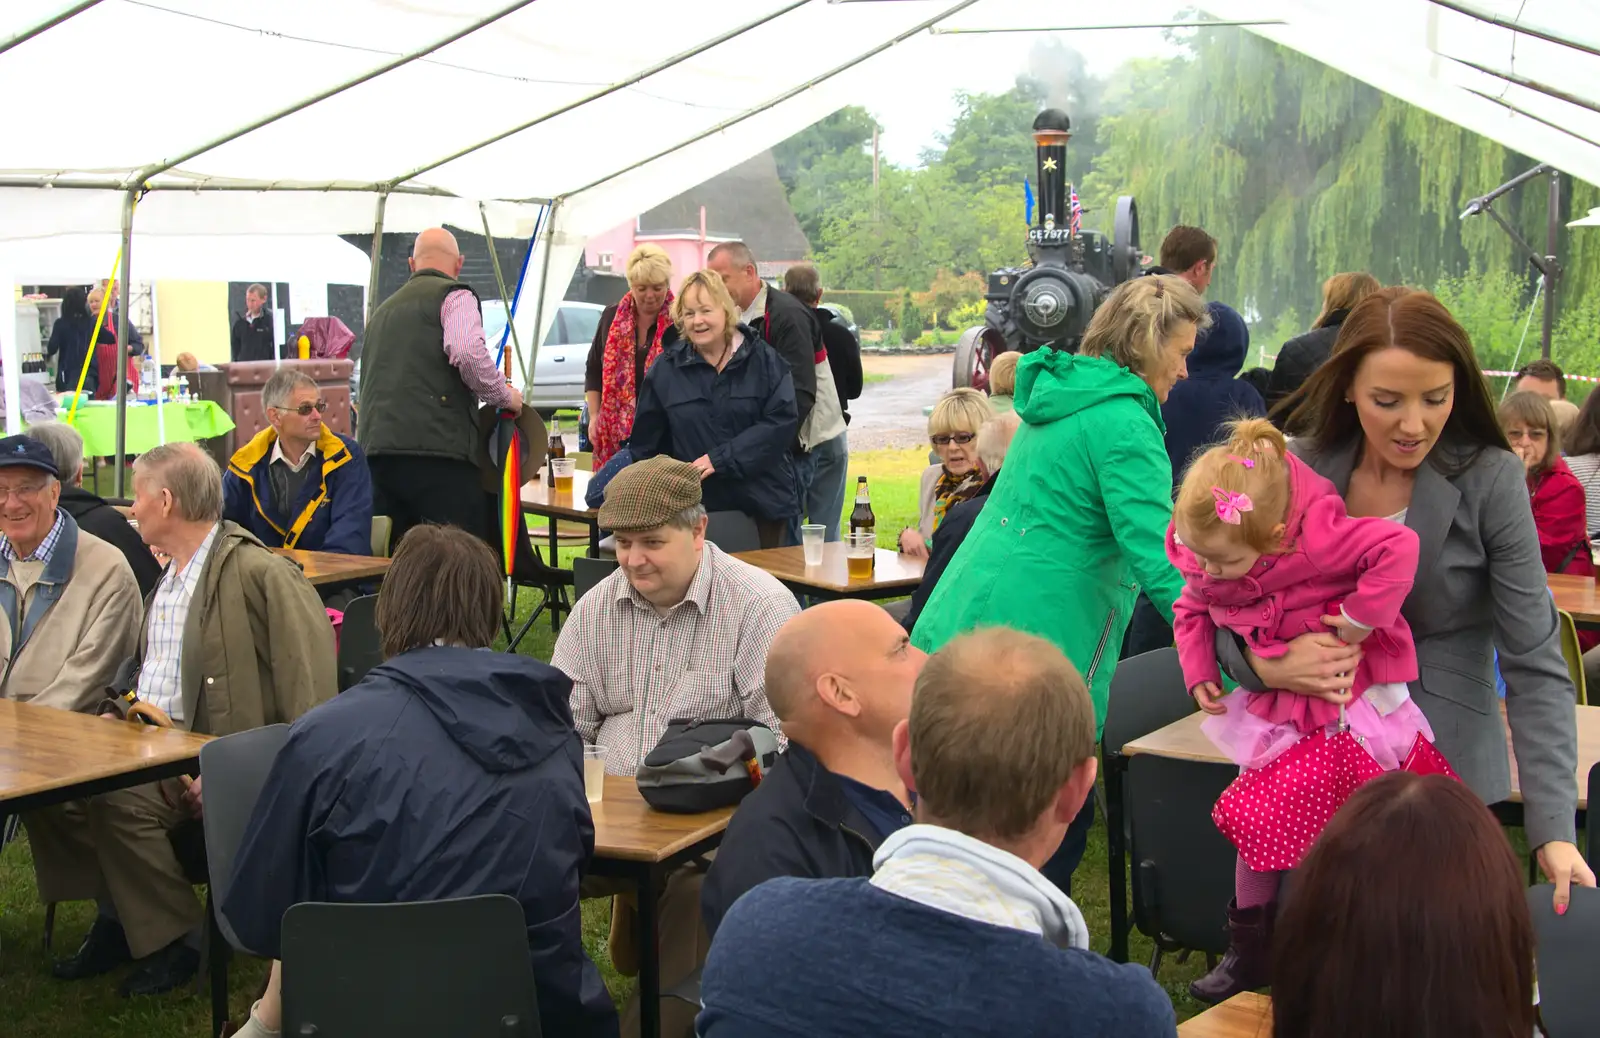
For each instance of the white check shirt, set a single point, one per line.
(161, 675)
(633, 670)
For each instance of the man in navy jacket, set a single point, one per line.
(299, 484)
(839, 677)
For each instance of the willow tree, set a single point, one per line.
(1301, 171)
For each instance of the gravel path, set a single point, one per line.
(889, 414)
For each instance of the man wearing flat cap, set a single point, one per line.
(680, 630)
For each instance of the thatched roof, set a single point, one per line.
(746, 202)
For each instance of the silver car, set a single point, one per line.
(563, 356)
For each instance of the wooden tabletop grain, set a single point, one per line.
(1576, 595)
(1247, 1015)
(539, 499)
(891, 571)
(327, 567)
(1183, 740)
(44, 749)
(627, 828)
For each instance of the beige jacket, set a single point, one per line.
(74, 626)
(257, 646)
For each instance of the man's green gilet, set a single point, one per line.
(412, 399)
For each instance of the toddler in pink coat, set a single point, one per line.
(1268, 552)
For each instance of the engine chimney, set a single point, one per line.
(1051, 131)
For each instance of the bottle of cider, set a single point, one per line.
(861, 518)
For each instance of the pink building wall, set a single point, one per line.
(610, 250)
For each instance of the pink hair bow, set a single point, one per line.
(1231, 505)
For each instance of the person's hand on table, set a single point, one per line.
(1208, 695)
(703, 465)
(1563, 865)
(911, 543)
(1318, 665)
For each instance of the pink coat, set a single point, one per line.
(1365, 565)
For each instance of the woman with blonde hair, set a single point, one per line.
(723, 400)
(1077, 523)
(1306, 353)
(956, 477)
(631, 336)
(1003, 381)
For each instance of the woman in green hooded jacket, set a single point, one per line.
(1077, 522)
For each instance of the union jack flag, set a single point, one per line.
(1077, 210)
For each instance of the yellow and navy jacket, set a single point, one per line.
(334, 512)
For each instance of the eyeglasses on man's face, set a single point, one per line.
(946, 439)
(25, 492)
(305, 409)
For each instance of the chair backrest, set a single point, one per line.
(587, 572)
(1182, 865)
(457, 968)
(382, 531)
(1147, 693)
(1573, 653)
(1591, 824)
(1566, 949)
(733, 532)
(359, 649)
(234, 768)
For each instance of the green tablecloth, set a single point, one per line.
(97, 424)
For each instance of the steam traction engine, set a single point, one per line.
(1050, 302)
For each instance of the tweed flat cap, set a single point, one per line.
(649, 493)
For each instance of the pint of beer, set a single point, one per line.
(561, 475)
(859, 548)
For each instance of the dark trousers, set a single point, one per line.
(411, 490)
(1148, 630)
(1064, 862)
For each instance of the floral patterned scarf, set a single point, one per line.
(951, 490)
(610, 429)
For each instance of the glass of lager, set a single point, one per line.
(859, 548)
(561, 474)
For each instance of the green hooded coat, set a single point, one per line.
(1075, 525)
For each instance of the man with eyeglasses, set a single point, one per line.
(299, 484)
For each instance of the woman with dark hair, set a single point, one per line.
(448, 771)
(1304, 354)
(1401, 421)
(1583, 458)
(69, 342)
(1408, 921)
(1556, 494)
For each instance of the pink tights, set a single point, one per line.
(1252, 888)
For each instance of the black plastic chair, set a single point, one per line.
(359, 648)
(233, 768)
(1567, 949)
(1183, 867)
(1147, 694)
(529, 570)
(733, 532)
(420, 970)
(586, 573)
(1591, 828)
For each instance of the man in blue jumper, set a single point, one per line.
(956, 932)
(299, 484)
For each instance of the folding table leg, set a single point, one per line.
(1116, 862)
(649, 956)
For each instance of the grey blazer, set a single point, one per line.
(1480, 584)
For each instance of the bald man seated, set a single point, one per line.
(839, 677)
(424, 367)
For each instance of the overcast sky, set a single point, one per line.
(989, 63)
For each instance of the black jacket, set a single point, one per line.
(742, 418)
(1199, 405)
(93, 515)
(1299, 357)
(844, 357)
(798, 822)
(796, 335)
(445, 773)
(69, 343)
(252, 339)
(594, 368)
(946, 539)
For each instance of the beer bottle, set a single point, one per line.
(861, 518)
(557, 449)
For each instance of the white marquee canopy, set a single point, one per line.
(298, 116)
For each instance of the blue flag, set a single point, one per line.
(1027, 201)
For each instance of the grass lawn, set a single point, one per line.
(37, 1006)
(875, 376)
